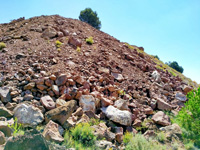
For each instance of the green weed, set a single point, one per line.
(2, 45)
(89, 40)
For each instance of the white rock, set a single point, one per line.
(28, 115)
(122, 117)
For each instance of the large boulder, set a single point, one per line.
(161, 118)
(51, 132)
(87, 103)
(4, 112)
(48, 102)
(122, 117)
(62, 113)
(28, 115)
(5, 94)
(31, 140)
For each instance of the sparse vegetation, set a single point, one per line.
(80, 137)
(17, 128)
(89, 40)
(188, 118)
(2, 45)
(156, 56)
(161, 137)
(138, 142)
(127, 137)
(78, 49)
(58, 44)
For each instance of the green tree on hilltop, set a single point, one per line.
(89, 16)
(175, 66)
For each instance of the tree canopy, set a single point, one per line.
(175, 66)
(89, 16)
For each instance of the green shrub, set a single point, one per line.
(138, 142)
(82, 133)
(89, 40)
(17, 128)
(68, 141)
(58, 44)
(127, 137)
(189, 118)
(2, 45)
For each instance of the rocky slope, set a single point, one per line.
(50, 76)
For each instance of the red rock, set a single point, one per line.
(106, 102)
(51, 132)
(187, 89)
(80, 80)
(52, 77)
(49, 82)
(162, 105)
(40, 81)
(75, 42)
(148, 111)
(137, 123)
(119, 134)
(41, 87)
(161, 118)
(48, 102)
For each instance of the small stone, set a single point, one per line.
(5, 94)
(28, 97)
(60, 102)
(49, 82)
(48, 102)
(14, 93)
(61, 80)
(52, 77)
(117, 76)
(121, 104)
(55, 89)
(41, 87)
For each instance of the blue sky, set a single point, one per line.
(167, 28)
